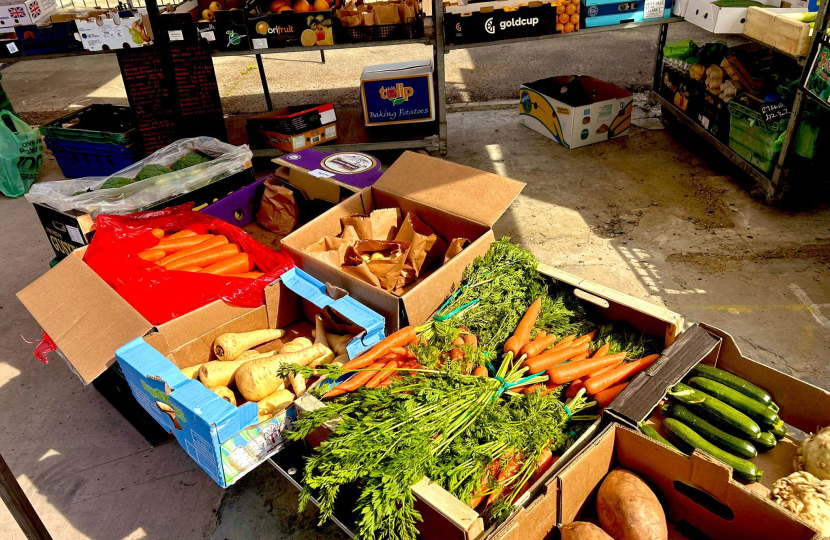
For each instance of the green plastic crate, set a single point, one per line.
(752, 138)
(96, 123)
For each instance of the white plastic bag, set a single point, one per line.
(228, 160)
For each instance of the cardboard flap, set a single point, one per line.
(476, 195)
(83, 315)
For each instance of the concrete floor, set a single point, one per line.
(643, 214)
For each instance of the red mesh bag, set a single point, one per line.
(161, 295)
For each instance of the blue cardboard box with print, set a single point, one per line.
(225, 440)
(398, 93)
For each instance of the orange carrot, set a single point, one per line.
(619, 357)
(568, 372)
(603, 370)
(550, 387)
(605, 397)
(334, 392)
(622, 373)
(566, 342)
(398, 339)
(381, 376)
(152, 254)
(235, 264)
(171, 245)
(522, 333)
(205, 258)
(541, 362)
(580, 357)
(249, 275)
(189, 269)
(385, 383)
(512, 345)
(471, 339)
(602, 351)
(507, 472)
(210, 243)
(484, 484)
(538, 345)
(184, 233)
(480, 371)
(575, 386)
(587, 338)
(544, 462)
(455, 352)
(358, 379)
(158, 233)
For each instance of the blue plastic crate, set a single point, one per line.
(81, 158)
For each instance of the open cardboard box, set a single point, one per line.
(226, 440)
(803, 406)
(697, 493)
(454, 200)
(445, 516)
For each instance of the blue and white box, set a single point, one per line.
(225, 440)
(398, 93)
(611, 12)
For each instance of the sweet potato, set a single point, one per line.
(582, 530)
(628, 509)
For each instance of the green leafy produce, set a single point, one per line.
(117, 182)
(150, 171)
(189, 160)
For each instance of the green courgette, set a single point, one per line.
(684, 435)
(736, 383)
(757, 411)
(652, 433)
(715, 409)
(779, 430)
(766, 441)
(711, 433)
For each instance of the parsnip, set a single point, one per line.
(259, 378)
(191, 372)
(225, 393)
(297, 381)
(219, 373)
(340, 360)
(338, 343)
(275, 402)
(248, 355)
(230, 346)
(320, 338)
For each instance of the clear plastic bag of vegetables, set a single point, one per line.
(182, 167)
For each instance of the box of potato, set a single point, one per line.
(214, 380)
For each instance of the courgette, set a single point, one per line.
(711, 433)
(779, 430)
(683, 434)
(757, 411)
(714, 409)
(652, 433)
(736, 383)
(766, 441)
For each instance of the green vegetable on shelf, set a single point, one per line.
(117, 182)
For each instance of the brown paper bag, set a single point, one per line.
(278, 211)
(330, 250)
(456, 246)
(381, 225)
(406, 13)
(386, 14)
(381, 272)
(426, 246)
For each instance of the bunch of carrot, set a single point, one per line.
(378, 367)
(503, 471)
(187, 251)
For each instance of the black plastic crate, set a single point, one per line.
(412, 29)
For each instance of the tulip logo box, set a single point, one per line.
(398, 93)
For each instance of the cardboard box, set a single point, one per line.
(291, 120)
(575, 111)
(114, 32)
(779, 30)
(803, 406)
(698, 496)
(328, 176)
(718, 20)
(442, 195)
(227, 441)
(15, 12)
(534, 519)
(492, 21)
(227, 32)
(398, 93)
(611, 12)
(264, 138)
(274, 30)
(72, 229)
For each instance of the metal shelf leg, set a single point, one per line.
(441, 86)
(658, 59)
(264, 81)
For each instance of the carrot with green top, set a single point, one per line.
(538, 345)
(606, 369)
(605, 397)
(602, 351)
(622, 373)
(563, 373)
(541, 362)
(480, 371)
(565, 342)
(384, 374)
(587, 338)
(356, 381)
(400, 338)
(522, 334)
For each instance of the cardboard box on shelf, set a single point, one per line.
(398, 93)
(329, 177)
(778, 29)
(720, 20)
(15, 12)
(438, 192)
(264, 138)
(575, 110)
(697, 494)
(114, 32)
(227, 441)
(492, 21)
(610, 12)
(72, 229)
(227, 32)
(803, 405)
(536, 513)
(273, 30)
